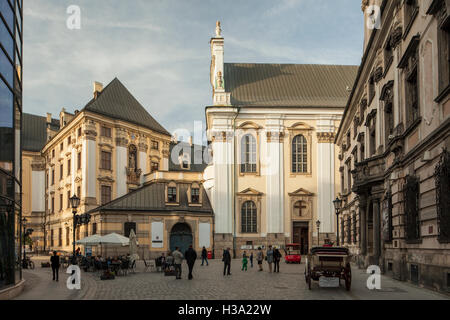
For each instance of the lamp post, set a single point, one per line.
(74, 202)
(24, 224)
(337, 206)
(318, 232)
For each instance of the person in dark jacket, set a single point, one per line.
(54, 260)
(205, 256)
(276, 260)
(190, 255)
(226, 262)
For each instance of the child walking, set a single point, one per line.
(244, 262)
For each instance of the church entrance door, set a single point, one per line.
(300, 235)
(181, 236)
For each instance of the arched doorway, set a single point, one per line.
(181, 236)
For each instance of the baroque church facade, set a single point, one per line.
(108, 153)
(271, 129)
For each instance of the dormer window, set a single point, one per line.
(172, 194)
(185, 161)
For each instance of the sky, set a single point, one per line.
(160, 51)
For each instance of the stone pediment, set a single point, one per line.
(250, 192)
(301, 193)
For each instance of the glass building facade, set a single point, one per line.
(11, 14)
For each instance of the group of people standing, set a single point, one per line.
(273, 258)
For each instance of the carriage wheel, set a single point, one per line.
(348, 277)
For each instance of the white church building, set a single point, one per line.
(275, 169)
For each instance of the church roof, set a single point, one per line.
(34, 131)
(152, 198)
(289, 85)
(117, 102)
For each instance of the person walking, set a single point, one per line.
(244, 262)
(226, 262)
(251, 259)
(54, 260)
(269, 258)
(205, 256)
(260, 258)
(177, 260)
(190, 256)
(276, 260)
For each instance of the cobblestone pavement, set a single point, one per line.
(209, 283)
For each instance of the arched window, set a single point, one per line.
(249, 218)
(248, 154)
(299, 154)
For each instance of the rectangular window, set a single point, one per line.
(79, 132)
(79, 192)
(105, 132)
(79, 161)
(61, 171)
(411, 10)
(52, 238)
(61, 147)
(444, 56)
(349, 176)
(94, 228)
(61, 202)
(69, 141)
(412, 97)
(67, 236)
(106, 160)
(195, 195)
(53, 176)
(60, 237)
(53, 204)
(412, 195)
(155, 145)
(68, 199)
(46, 179)
(128, 226)
(69, 167)
(172, 194)
(106, 194)
(53, 154)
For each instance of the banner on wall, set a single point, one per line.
(204, 236)
(157, 234)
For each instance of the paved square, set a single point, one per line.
(209, 283)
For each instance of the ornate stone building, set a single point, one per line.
(271, 130)
(99, 153)
(394, 144)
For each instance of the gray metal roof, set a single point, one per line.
(289, 85)
(196, 154)
(34, 131)
(117, 102)
(151, 198)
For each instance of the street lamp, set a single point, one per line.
(318, 232)
(337, 206)
(24, 224)
(75, 203)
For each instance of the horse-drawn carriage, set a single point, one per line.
(328, 265)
